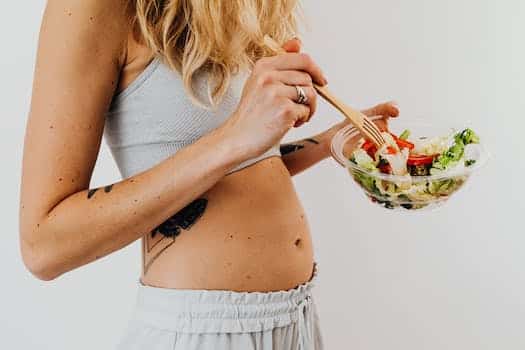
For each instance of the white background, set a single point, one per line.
(450, 279)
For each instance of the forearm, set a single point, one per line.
(303, 154)
(93, 223)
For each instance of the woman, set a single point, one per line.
(206, 184)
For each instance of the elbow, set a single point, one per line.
(40, 263)
(44, 271)
(43, 274)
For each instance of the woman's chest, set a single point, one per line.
(156, 108)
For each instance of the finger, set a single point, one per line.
(300, 112)
(293, 77)
(388, 109)
(298, 124)
(293, 45)
(291, 93)
(312, 100)
(382, 124)
(297, 61)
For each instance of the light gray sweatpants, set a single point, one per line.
(167, 319)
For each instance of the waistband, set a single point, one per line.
(214, 311)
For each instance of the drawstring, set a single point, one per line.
(303, 308)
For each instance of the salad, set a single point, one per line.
(406, 173)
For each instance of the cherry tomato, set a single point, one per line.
(370, 148)
(403, 143)
(386, 169)
(391, 150)
(416, 159)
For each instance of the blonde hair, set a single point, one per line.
(221, 36)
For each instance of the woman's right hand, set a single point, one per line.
(267, 109)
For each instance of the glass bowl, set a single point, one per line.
(411, 192)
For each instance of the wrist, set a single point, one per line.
(231, 151)
(325, 138)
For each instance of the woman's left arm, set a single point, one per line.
(302, 154)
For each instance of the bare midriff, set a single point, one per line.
(252, 236)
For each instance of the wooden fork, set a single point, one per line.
(367, 128)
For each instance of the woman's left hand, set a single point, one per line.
(386, 110)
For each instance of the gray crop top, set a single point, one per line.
(153, 118)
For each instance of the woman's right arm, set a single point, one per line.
(63, 223)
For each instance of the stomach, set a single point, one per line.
(252, 236)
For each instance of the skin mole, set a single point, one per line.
(298, 242)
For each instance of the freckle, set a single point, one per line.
(249, 237)
(69, 13)
(248, 277)
(135, 200)
(302, 216)
(100, 207)
(60, 179)
(134, 213)
(37, 225)
(231, 236)
(90, 18)
(72, 180)
(158, 197)
(51, 126)
(131, 180)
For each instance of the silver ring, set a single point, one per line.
(301, 96)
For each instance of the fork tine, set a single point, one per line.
(375, 128)
(372, 136)
(380, 139)
(372, 126)
(374, 131)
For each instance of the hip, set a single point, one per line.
(211, 319)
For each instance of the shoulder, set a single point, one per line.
(88, 25)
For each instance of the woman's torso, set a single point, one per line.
(247, 233)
